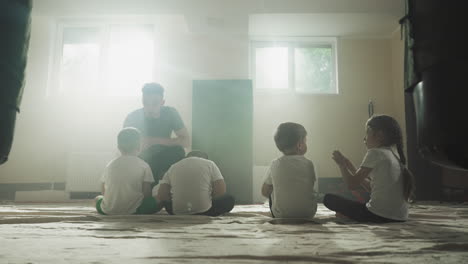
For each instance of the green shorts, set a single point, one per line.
(148, 206)
(98, 206)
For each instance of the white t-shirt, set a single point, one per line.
(191, 181)
(123, 182)
(387, 199)
(293, 179)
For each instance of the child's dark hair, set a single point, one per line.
(288, 135)
(128, 139)
(393, 136)
(152, 88)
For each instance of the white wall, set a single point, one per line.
(48, 129)
(332, 121)
(398, 55)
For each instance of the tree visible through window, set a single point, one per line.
(313, 70)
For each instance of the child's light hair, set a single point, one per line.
(128, 140)
(393, 136)
(288, 135)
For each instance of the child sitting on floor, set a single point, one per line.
(391, 183)
(126, 182)
(195, 185)
(290, 180)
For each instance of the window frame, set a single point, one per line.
(104, 25)
(291, 43)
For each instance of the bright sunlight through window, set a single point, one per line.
(114, 60)
(130, 62)
(271, 68)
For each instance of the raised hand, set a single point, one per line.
(339, 158)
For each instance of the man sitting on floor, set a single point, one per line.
(195, 185)
(156, 123)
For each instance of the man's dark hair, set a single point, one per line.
(288, 135)
(153, 88)
(197, 153)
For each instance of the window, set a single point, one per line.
(79, 66)
(271, 67)
(301, 67)
(103, 59)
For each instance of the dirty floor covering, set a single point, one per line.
(74, 233)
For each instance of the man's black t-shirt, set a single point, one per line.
(168, 121)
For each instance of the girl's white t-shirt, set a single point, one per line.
(387, 199)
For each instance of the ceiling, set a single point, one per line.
(258, 17)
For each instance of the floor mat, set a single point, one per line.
(74, 233)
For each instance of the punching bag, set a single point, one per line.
(436, 76)
(14, 31)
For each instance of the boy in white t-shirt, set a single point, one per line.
(126, 182)
(289, 182)
(195, 185)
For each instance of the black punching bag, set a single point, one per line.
(436, 75)
(14, 41)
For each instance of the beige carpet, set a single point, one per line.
(74, 233)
